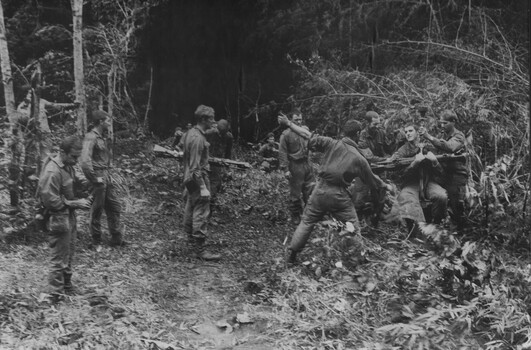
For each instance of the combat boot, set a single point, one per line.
(200, 251)
(291, 257)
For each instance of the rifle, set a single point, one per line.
(164, 152)
(397, 164)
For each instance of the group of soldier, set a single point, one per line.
(344, 173)
(345, 180)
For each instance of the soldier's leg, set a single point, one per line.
(71, 252)
(309, 182)
(95, 212)
(312, 214)
(113, 210)
(456, 202)
(439, 201)
(59, 241)
(295, 188)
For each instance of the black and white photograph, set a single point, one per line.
(265, 175)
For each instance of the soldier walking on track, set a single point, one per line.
(196, 182)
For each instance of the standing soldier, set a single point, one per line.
(96, 165)
(196, 182)
(56, 191)
(220, 139)
(293, 155)
(456, 173)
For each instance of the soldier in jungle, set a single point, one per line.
(420, 182)
(197, 183)
(373, 136)
(220, 139)
(293, 159)
(456, 172)
(96, 165)
(342, 162)
(57, 196)
(269, 154)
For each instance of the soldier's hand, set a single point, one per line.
(431, 157)
(82, 203)
(419, 157)
(283, 120)
(287, 174)
(205, 193)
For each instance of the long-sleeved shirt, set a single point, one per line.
(269, 150)
(195, 157)
(415, 172)
(376, 142)
(95, 156)
(452, 143)
(56, 183)
(292, 147)
(342, 162)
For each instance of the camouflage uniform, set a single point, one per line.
(96, 162)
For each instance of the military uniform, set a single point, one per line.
(341, 163)
(456, 173)
(55, 184)
(96, 163)
(420, 185)
(220, 147)
(196, 169)
(293, 155)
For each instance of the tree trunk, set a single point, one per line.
(7, 78)
(77, 13)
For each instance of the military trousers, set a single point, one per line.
(410, 206)
(301, 184)
(106, 199)
(325, 199)
(62, 236)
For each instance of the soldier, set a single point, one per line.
(56, 192)
(342, 162)
(373, 137)
(420, 182)
(96, 165)
(456, 172)
(196, 182)
(220, 139)
(293, 155)
(269, 154)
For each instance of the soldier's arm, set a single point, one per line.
(283, 152)
(50, 190)
(85, 161)
(455, 143)
(196, 148)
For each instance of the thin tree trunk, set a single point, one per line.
(77, 13)
(7, 78)
(148, 106)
